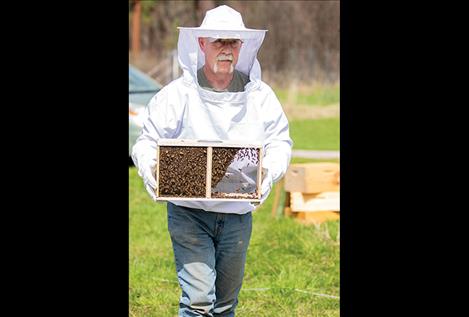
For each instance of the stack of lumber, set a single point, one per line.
(313, 192)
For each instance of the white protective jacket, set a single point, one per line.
(184, 110)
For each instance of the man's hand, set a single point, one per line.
(151, 190)
(147, 171)
(266, 185)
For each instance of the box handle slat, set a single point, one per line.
(208, 180)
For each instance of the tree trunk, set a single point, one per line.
(136, 28)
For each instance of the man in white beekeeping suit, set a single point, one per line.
(220, 96)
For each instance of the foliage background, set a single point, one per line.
(301, 45)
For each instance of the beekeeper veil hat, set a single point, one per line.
(221, 22)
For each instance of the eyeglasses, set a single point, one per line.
(219, 43)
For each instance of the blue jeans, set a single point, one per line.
(210, 252)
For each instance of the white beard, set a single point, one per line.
(215, 68)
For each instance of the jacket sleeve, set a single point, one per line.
(278, 143)
(161, 121)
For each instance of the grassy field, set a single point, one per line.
(320, 134)
(290, 271)
(314, 95)
(313, 113)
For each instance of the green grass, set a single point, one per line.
(316, 95)
(287, 262)
(315, 134)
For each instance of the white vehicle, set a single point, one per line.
(141, 89)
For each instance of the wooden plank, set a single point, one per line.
(207, 199)
(308, 217)
(312, 177)
(287, 209)
(205, 143)
(317, 217)
(326, 201)
(208, 179)
(259, 174)
(157, 172)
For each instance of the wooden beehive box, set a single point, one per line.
(208, 170)
(313, 208)
(325, 201)
(312, 177)
(313, 192)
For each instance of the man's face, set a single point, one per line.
(221, 55)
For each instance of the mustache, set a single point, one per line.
(223, 57)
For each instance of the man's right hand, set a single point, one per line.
(150, 184)
(151, 191)
(147, 171)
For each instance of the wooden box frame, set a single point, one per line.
(209, 145)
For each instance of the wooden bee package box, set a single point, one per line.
(208, 170)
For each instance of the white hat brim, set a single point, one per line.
(223, 34)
